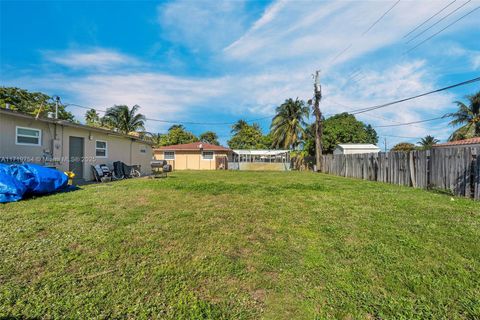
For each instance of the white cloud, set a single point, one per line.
(269, 62)
(473, 56)
(93, 58)
(201, 24)
(312, 32)
(381, 86)
(160, 96)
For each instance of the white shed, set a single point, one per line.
(356, 148)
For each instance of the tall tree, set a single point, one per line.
(209, 137)
(156, 138)
(237, 127)
(247, 137)
(32, 103)
(125, 119)
(92, 118)
(340, 128)
(468, 117)
(177, 134)
(428, 142)
(403, 147)
(287, 128)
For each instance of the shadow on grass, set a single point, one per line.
(66, 190)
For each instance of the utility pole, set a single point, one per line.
(385, 143)
(318, 120)
(57, 100)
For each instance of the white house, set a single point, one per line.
(356, 148)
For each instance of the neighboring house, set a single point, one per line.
(356, 148)
(67, 146)
(194, 156)
(260, 160)
(472, 142)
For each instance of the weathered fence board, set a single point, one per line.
(454, 169)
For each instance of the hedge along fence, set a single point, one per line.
(455, 169)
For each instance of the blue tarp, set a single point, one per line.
(20, 180)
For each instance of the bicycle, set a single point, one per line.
(123, 171)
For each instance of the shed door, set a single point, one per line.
(75, 151)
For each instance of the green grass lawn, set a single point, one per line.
(241, 245)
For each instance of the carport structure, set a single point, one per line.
(260, 159)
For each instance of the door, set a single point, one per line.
(76, 156)
(221, 163)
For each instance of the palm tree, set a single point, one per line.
(176, 126)
(468, 117)
(237, 127)
(156, 138)
(287, 126)
(124, 119)
(428, 142)
(92, 118)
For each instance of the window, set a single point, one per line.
(207, 155)
(169, 155)
(28, 136)
(101, 149)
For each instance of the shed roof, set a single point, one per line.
(194, 146)
(260, 152)
(475, 140)
(356, 146)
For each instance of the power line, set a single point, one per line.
(381, 17)
(424, 22)
(433, 25)
(341, 53)
(176, 122)
(402, 137)
(365, 32)
(358, 79)
(362, 110)
(433, 35)
(409, 123)
(383, 118)
(206, 123)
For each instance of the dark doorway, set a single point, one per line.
(221, 163)
(76, 155)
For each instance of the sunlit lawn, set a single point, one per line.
(241, 245)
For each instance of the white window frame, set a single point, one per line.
(106, 149)
(22, 135)
(203, 155)
(165, 155)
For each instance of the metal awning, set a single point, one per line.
(260, 152)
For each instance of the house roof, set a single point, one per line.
(362, 146)
(475, 140)
(194, 146)
(70, 124)
(260, 152)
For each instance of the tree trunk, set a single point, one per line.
(318, 136)
(318, 122)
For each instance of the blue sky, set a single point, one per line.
(213, 61)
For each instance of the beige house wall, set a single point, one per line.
(119, 148)
(191, 160)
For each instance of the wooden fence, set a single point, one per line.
(455, 169)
